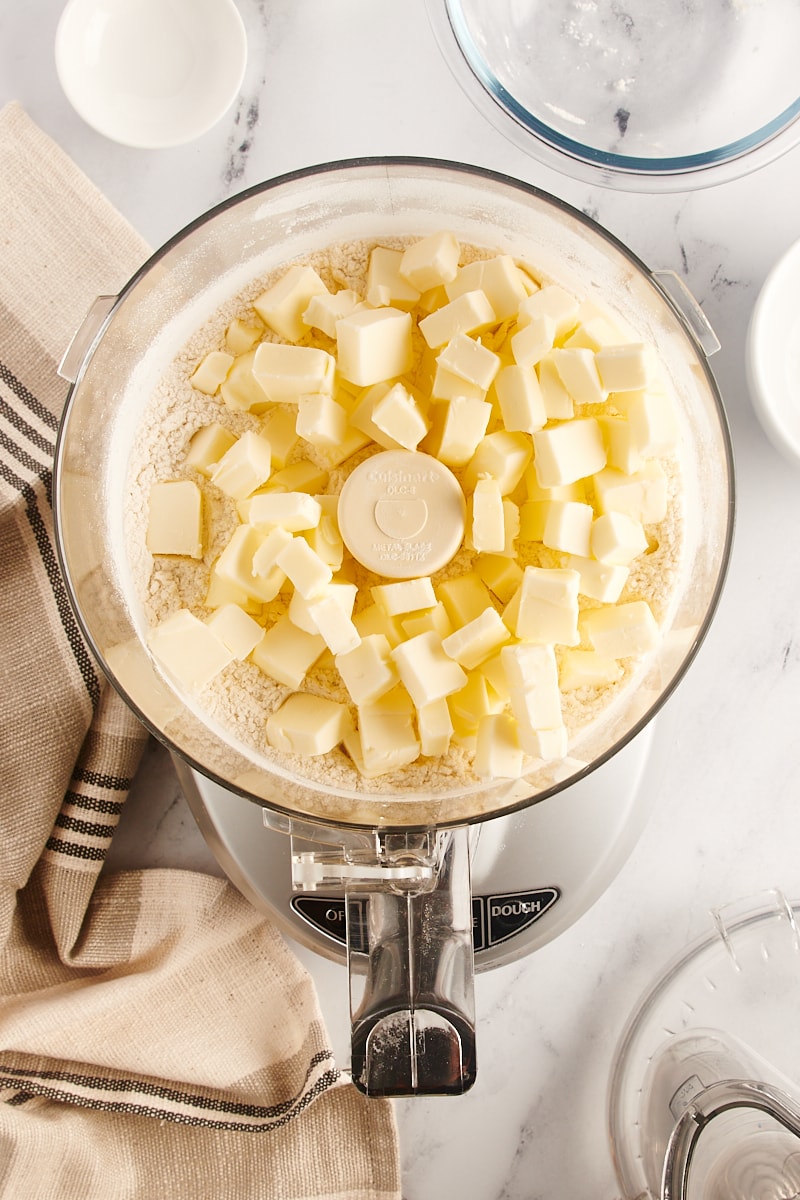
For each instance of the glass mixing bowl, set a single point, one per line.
(126, 345)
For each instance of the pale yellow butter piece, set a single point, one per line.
(321, 420)
(431, 262)
(308, 725)
(282, 306)
(498, 754)
(208, 446)
(558, 404)
(617, 539)
(579, 374)
(241, 391)
(476, 640)
(325, 538)
(405, 596)
(594, 333)
(568, 527)
(279, 427)
(245, 467)
(222, 591)
(367, 670)
(568, 452)
(532, 517)
(622, 450)
(435, 728)
(464, 424)
(501, 575)
(621, 631)
(302, 613)
(237, 564)
(499, 278)
(447, 385)
(464, 597)
(548, 606)
(486, 521)
(435, 618)
(425, 670)
(468, 359)
(563, 491)
(326, 308)
(386, 737)
(587, 668)
(533, 341)
(652, 418)
(175, 519)
(306, 570)
(237, 631)
(493, 672)
(189, 651)
(241, 335)
(642, 494)
(211, 372)
(291, 510)
(332, 620)
(599, 581)
(520, 398)
(511, 525)
(374, 345)
(302, 476)
(532, 679)
(287, 653)
(546, 744)
(385, 284)
(470, 312)
(470, 703)
(623, 368)
(503, 455)
(287, 372)
(373, 619)
(399, 419)
(553, 302)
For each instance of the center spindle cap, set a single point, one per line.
(402, 514)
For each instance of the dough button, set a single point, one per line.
(402, 514)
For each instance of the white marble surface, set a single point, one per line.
(329, 79)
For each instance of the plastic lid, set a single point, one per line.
(401, 514)
(648, 95)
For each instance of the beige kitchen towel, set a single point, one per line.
(157, 1036)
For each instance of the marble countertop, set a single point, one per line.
(331, 80)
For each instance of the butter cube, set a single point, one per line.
(469, 360)
(321, 420)
(464, 597)
(367, 670)
(469, 313)
(291, 510)
(449, 386)
(286, 373)
(486, 520)
(245, 467)
(241, 336)
(500, 574)
(504, 456)
(494, 674)
(621, 631)
(435, 727)
(373, 619)
(332, 621)
(652, 418)
(374, 345)
(208, 446)
(241, 391)
(622, 451)
(533, 341)
(303, 613)
(599, 581)
(237, 631)
(431, 261)
(236, 564)
(425, 670)
(499, 278)
(578, 370)
(617, 539)
(568, 527)
(175, 519)
(211, 372)
(221, 591)
(565, 453)
(463, 427)
(308, 725)
(385, 284)
(563, 491)
(326, 308)
(306, 570)
(532, 678)
(623, 368)
(435, 618)
(282, 306)
(532, 518)
(548, 606)
(511, 525)
(520, 398)
(325, 539)
(476, 640)
(558, 403)
(302, 476)
(554, 303)
(386, 737)
(406, 596)
(547, 744)
(642, 495)
(263, 564)
(279, 427)
(498, 754)
(587, 668)
(471, 703)
(188, 649)
(398, 417)
(287, 653)
(594, 332)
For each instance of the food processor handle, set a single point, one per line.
(410, 953)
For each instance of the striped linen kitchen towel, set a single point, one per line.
(157, 1036)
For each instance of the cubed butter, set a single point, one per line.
(587, 668)
(498, 754)
(368, 671)
(504, 456)
(435, 727)
(425, 670)
(558, 404)
(241, 391)
(208, 446)
(578, 370)
(326, 308)
(568, 527)
(189, 651)
(499, 278)
(653, 420)
(237, 565)
(435, 618)
(554, 303)
(567, 452)
(617, 539)
(469, 313)
(431, 261)
(398, 416)
(236, 629)
(245, 467)
(321, 420)
(500, 574)
(333, 621)
(287, 653)
(386, 737)
(374, 345)
(279, 427)
(520, 398)
(302, 612)
(464, 424)
(599, 581)
(642, 495)
(241, 335)
(464, 597)
(291, 510)
(486, 524)
(405, 596)
(548, 606)
(308, 725)
(468, 359)
(476, 640)
(533, 341)
(175, 519)
(385, 284)
(282, 306)
(301, 476)
(285, 373)
(306, 570)
(622, 451)
(211, 372)
(532, 678)
(623, 368)
(622, 630)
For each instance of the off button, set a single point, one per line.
(402, 514)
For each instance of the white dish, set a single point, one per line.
(151, 73)
(773, 355)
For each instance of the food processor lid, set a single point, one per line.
(647, 95)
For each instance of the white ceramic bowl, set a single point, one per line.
(151, 73)
(773, 355)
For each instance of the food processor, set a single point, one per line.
(416, 889)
